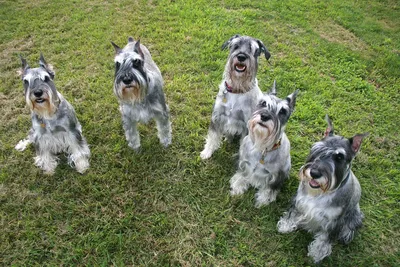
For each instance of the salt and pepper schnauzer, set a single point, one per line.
(55, 127)
(238, 92)
(138, 86)
(327, 200)
(264, 156)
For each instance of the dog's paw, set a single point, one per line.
(81, 165)
(319, 249)
(265, 197)
(165, 142)
(286, 226)
(22, 145)
(205, 154)
(135, 147)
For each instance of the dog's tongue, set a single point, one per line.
(240, 67)
(313, 183)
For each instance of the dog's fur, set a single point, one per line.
(327, 200)
(55, 127)
(138, 85)
(238, 92)
(265, 152)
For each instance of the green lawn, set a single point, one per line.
(167, 206)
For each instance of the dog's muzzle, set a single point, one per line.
(240, 66)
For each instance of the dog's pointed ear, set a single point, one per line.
(130, 39)
(227, 43)
(329, 130)
(138, 50)
(118, 50)
(356, 141)
(24, 65)
(262, 49)
(291, 99)
(273, 89)
(47, 67)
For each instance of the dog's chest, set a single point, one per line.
(317, 211)
(51, 135)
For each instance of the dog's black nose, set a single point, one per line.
(127, 80)
(38, 93)
(241, 57)
(315, 173)
(265, 117)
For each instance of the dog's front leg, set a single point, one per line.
(46, 161)
(213, 141)
(131, 132)
(24, 143)
(164, 128)
(320, 247)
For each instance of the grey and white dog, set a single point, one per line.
(327, 200)
(264, 156)
(55, 127)
(138, 86)
(238, 92)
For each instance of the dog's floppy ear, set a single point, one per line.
(356, 140)
(329, 130)
(292, 99)
(24, 65)
(130, 39)
(262, 49)
(118, 50)
(138, 50)
(47, 67)
(227, 43)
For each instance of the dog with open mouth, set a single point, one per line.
(55, 127)
(328, 196)
(238, 92)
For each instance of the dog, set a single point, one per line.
(55, 127)
(138, 85)
(264, 155)
(327, 199)
(238, 92)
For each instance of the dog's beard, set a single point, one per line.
(263, 136)
(44, 106)
(241, 75)
(314, 186)
(130, 93)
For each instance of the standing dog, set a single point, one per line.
(238, 92)
(138, 86)
(265, 152)
(55, 127)
(327, 200)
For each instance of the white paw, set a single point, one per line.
(81, 165)
(286, 226)
(165, 141)
(135, 147)
(47, 164)
(22, 144)
(205, 154)
(318, 250)
(265, 197)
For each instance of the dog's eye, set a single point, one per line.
(117, 65)
(46, 79)
(263, 103)
(283, 112)
(235, 47)
(338, 156)
(26, 83)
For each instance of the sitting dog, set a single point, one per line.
(55, 128)
(138, 86)
(327, 200)
(238, 92)
(265, 152)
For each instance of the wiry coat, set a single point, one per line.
(238, 92)
(327, 199)
(264, 156)
(55, 127)
(138, 86)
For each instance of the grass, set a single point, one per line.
(166, 206)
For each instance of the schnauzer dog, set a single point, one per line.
(327, 200)
(138, 86)
(238, 92)
(55, 127)
(264, 156)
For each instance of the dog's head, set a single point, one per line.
(328, 164)
(269, 120)
(130, 83)
(242, 62)
(40, 92)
